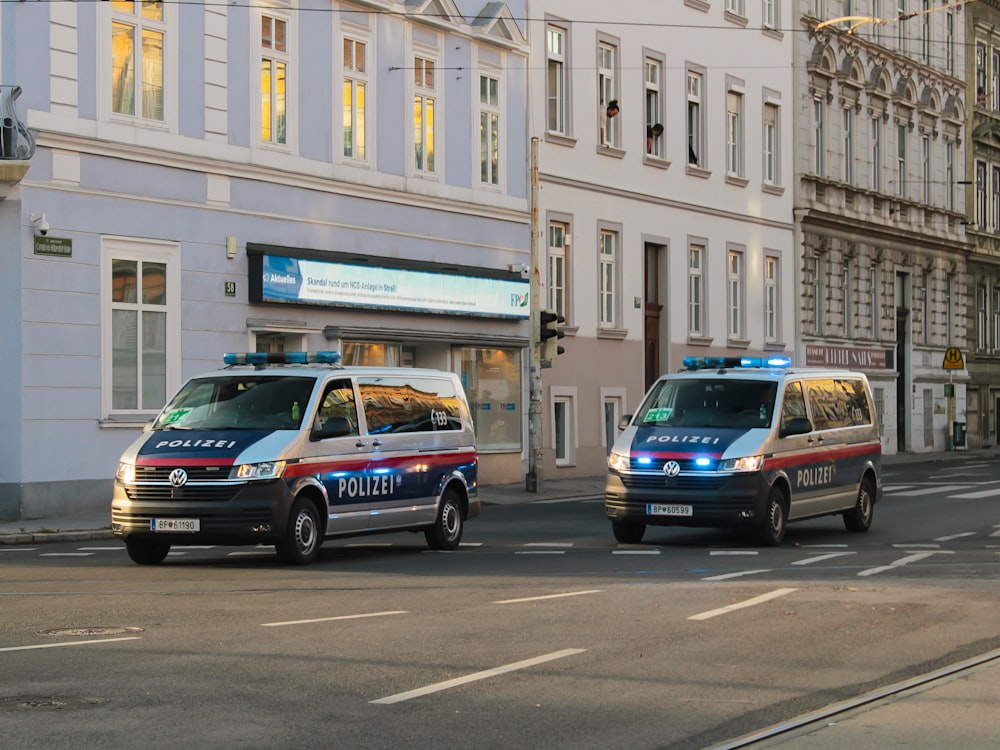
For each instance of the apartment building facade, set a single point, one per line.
(883, 255)
(276, 176)
(657, 243)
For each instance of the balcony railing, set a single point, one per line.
(16, 141)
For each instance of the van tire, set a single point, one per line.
(859, 518)
(303, 536)
(628, 532)
(147, 551)
(446, 533)
(772, 532)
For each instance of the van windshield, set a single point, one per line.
(709, 403)
(238, 402)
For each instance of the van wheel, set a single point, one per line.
(146, 551)
(628, 532)
(772, 533)
(446, 533)
(859, 518)
(302, 540)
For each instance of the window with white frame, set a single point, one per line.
(848, 156)
(996, 318)
(489, 129)
(925, 313)
(654, 105)
(608, 277)
(424, 120)
(770, 14)
(558, 266)
(734, 294)
(901, 12)
(696, 290)
(949, 309)
(138, 33)
(847, 300)
(607, 87)
(695, 118)
(981, 73)
(901, 161)
(994, 94)
(873, 304)
(995, 202)
(925, 32)
(817, 292)
(819, 136)
(355, 97)
(734, 133)
(274, 86)
(925, 160)
(818, 8)
(771, 299)
(556, 72)
(949, 42)
(981, 196)
(736, 7)
(877, 27)
(140, 325)
(949, 169)
(876, 141)
(771, 141)
(564, 425)
(982, 332)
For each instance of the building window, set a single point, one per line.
(564, 435)
(355, 97)
(770, 14)
(608, 280)
(876, 154)
(877, 27)
(996, 318)
(981, 330)
(900, 26)
(695, 119)
(873, 305)
(771, 299)
(949, 42)
(981, 195)
(736, 7)
(771, 141)
(138, 31)
(696, 290)
(489, 129)
(949, 168)
(995, 199)
(994, 93)
(901, 161)
(981, 75)
(654, 107)
(949, 310)
(492, 379)
(848, 163)
(607, 87)
(819, 137)
(273, 79)
(555, 80)
(140, 326)
(847, 300)
(925, 33)
(734, 294)
(424, 99)
(925, 158)
(734, 133)
(558, 268)
(925, 313)
(817, 291)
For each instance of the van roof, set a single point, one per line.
(763, 373)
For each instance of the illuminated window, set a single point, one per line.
(355, 97)
(424, 100)
(138, 32)
(273, 79)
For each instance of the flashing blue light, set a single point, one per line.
(644, 460)
(702, 461)
(281, 358)
(707, 363)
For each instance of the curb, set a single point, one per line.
(41, 537)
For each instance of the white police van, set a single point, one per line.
(291, 449)
(746, 443)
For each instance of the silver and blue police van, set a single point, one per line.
(746, 443)
(292, 449)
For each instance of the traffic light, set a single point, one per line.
(549, 333)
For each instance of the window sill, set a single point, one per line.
(617, 334)
(732, 179)
(695, 171)
(773, 33)
(125, 423)
(699, 340)
(612, 151)
(774, 347)
(739, 343)
(559, 139)
(736, 18)
(655, 161)
(701, 5)
(772, 189)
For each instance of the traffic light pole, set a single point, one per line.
(533, 480)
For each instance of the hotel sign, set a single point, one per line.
(845, 356)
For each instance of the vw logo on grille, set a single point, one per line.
(670, 468)
(178, 477)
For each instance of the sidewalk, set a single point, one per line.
(97, 524)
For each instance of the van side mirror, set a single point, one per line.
(797, 426)
(332, 427)
(624, 421)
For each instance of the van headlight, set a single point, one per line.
(618, 462)
(747, 463)
(262, 470)
(125, 473)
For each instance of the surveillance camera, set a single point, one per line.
(40, 224)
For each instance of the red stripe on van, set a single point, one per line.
(185, 461)
(829, 453)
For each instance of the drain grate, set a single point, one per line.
(90, 631)
(49, 703)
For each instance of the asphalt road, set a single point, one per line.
(541, 631)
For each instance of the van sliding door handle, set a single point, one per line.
(376, 443)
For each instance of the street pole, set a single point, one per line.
(533, 480)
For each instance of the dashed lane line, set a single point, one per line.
(542, 597)
(742, 605)
(953, 537)
(738, 574)
(70, 643)
(821, 558)
(333, 619)
(903, 561)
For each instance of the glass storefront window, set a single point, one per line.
(492, 380)
(374, 355)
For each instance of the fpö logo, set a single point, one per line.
(519, 300)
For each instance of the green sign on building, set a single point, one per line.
(62, 246)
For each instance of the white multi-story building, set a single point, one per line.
(278, 175)
(658, 244)
(880, 107)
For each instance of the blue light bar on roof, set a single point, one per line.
(281, 358)
(705, 363)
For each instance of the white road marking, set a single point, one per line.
(369, 544)
(916, 546)
(18, 549)
(897, 488)
(824, 546)
(540, 552)
(732, 552)
(250, 553)
(942, 489)
(102, 549)
(66, 554)
(475, 676)
(954, 536)
(740, 574)
(548, 596)
(635, 552)
(332, 619)
(992, 492)
(70, 643)
(548, 544)
(820, 558)
(742, 605)
(903, 561)
(470, 544)
(997, 532)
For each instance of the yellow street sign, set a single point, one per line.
(953, 359)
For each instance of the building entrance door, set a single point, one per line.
(653, 309)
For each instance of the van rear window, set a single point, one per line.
(837, 402)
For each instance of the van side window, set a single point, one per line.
(338, 401)
(793, 404)
(837, 403)
(394, 404)
(858, 411)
